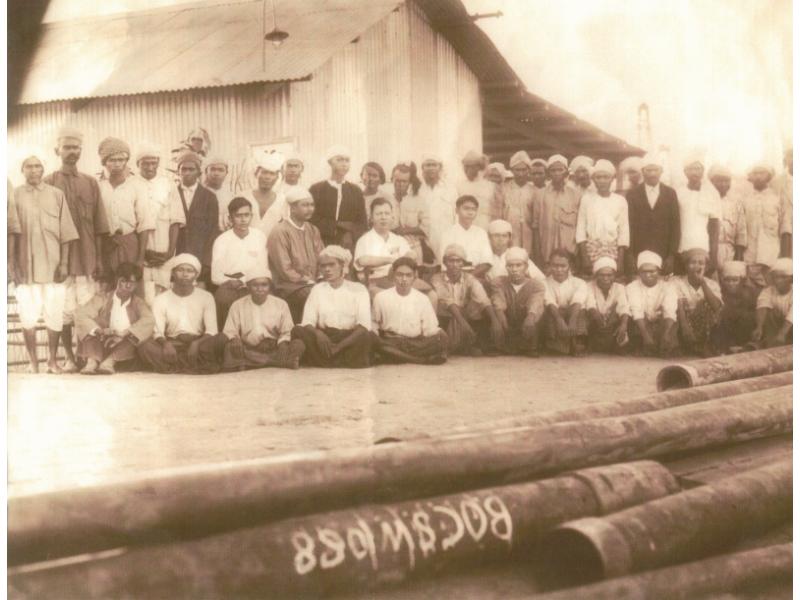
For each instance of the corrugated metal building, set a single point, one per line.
(388, 79)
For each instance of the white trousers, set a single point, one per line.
(41, 300)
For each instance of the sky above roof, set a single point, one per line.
(715, 74)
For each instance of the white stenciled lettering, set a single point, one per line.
(499, 518)
(373, 557)
(335, 547)
(426, 536)
(304, 559)
(396, 536)
(357, 542)
(452, 539)
(471, 505)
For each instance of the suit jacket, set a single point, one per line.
(657, 229)
(97, 313)
(352, 221)
(202, 226)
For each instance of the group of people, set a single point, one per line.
(172, 272)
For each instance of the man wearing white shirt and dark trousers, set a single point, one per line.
(700, 210)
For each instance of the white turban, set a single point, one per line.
(260, 272)
(539, 161)
(604, 262)
(71, 133)
(557, 158)
(734, 268)
(604, 166)
(295, 157)
(762, 165)
(520, 157)
(147, 150)
(648, 258)
(580, 161)
(499, 226)
(343, 255)
(472, 158)
(718, 170)
(516, 253)
(216, 160)
(296, 193)
(455, 250)
(695, 156)
(782, 266)
(26, 154)
(632, 163)
(651, 159)
(499, 167)
(269, 162)
(430, 157)
(184, 259)
(336, 150)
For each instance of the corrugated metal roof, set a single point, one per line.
(192, 46)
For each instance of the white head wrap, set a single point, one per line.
(520, 157)
(604, 262)
(147, 150)
(782, 266)
(580, 161)
(734, 268)
(455, 250)
(472, 158)
(343, 255)
(24, 154)
(269, 162)
(296, 193)
(430, 157)
(557, 158)
(718, 170)
(499, 226)
(336, 150)
(184, 259)
(762, 165)
(604, 166)
(259, 272)
(694, 156)
(516, 253)
(632, 163)
(648, 258)
(539, 161)
(651, 160)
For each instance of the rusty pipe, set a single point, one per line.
(359, 548)
(685, 526)
(725, 368)
(199, 501)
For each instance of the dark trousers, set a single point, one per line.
(223, 298)
(423, 348)
(357, 356)
(195, 355)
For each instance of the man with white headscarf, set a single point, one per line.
(476, 185)
(293, 168)
(653, 304)
(517, 200)
(763, 215)
(440, 199)
(630, 170)
(607, 309)
(339, 210)
(538, 173)
(701, 210)
(733, 226)
(268, 201)
(774, 308)
(580, 169)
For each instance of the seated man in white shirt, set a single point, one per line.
(500, 233)
(654, 306)
(405, 327)
(565, 312)
(336, 318)
(473, 239)
(239, 250)
(607, 309)
(774, 308)
(110, 326)
(185, 336)
(699, 304)
(259, 329)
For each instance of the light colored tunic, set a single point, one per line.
(517, 202)
(254, 323)
(786, 204)
(486, 193)
(157, 193)
(554, 216)
(440, 201)
(733, 228)
(499, 268)
(410, 316)
(652, 303)
(763, 216)
(684, 291)
(344, 307)
(175, 315)
(373, 244)
(232, 254)
(126, 206)
(467, 289)
(292, 252)
(278, 210)
(573, 290)
(474, 240)
(224, 196)
(617, 299)
(603, 219)
(696, 208)
(770, 298)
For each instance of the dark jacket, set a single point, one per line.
(352, 221)
(97, 313)
(657, 229)
(202, 225)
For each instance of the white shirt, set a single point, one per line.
(338, 187)
(603, 219)
(344, 307)
(571, 291)
(224, 196)
(696, 208)
(617, 299)
(126, 206)
(410, 316)
(232, 254)
(175, 315)
(254, 323)
(770, 298)
(440, 201)
(156, 191)
(499, 268)
(278, 210)
(651, 303)
(484, 192)
(188, 194)
(373, 244)
(474, 240)
(119, 321)
(652, 193)
(684, 290)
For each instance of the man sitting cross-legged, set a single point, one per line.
(607, 309)
(336, 318)
(565, 302)
(258, 330)
(774, 308)
(405, 327)
(654, 307)
(111, 326)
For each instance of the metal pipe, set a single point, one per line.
(199, 501)
(725, 368)
(685, 526)
(358, 548)
(717, 575)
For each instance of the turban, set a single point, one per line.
(516, 253)
(651, 160)
(184, 259)
(294, 157)
(69, 132)
(695, 156)
(428, 157)
(648, 258)
(473, 158)
(455, 250)
(217, 160)
(499, 167)
(718, 170)
(499, 226)
(269, 162)
(335, 151)
(297, 193)
(632, 163)
(694, 252)
(189, 156)
(110, 146)
(539, 161)
(520, 157)
(147, 150)
(28, 153)
(258, 273)
(557, 158)
(605, 262)
(197, 133)
(734, 268)
(604, 166)
(762, 165)
(337, 252)
(782, 266)
(580, 161)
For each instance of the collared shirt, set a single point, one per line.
(292, 252)
(474, 240)
(733, 227)
(692, 295)
(652, 303)
(440, 201)
(487, 195)
(565, 293)
(277, 211)
(763, 217)
(697, 207)
(554, 216)
(517, 201)
(254, 323)
(461, 292)
(499, 267)
(373, 244)
(224, 196)
(617, 299)
(232, 254)
(156, 191)
(770, 298)
(411, 315)
(603, 219)
(195, 314)
(45, 223)
(88, 215)
(119, 320)
(517, 301)
(344, 307)
(188, 193)
(652, 192)
(338, 187)
(126, 206)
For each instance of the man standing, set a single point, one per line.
(215, 171)
(483, 190)
(292, 170)
(129, 220)
(539, 173)
(654, 218)
(440, 200)
(581, 173)
(630, 171)
(269, 204)
(762, 209)
(338, 204)
(517, 199)
(700, 211)
(193, 216)
(89, 218)
(733, 228)
(43, 228)
(292, 248)
(785, 191)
